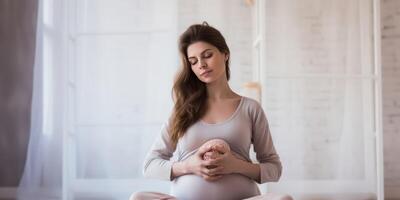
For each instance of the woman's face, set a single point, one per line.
(206, 61)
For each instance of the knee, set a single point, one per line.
(285, 197)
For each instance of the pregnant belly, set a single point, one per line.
(229, 187)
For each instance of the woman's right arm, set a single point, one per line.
(179, 169)
(157, 163)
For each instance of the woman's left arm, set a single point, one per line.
(269, 161)
(268, 170)
(251, 170)
(232, 164)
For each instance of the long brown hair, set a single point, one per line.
(190, 94)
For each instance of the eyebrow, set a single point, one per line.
(200, 53)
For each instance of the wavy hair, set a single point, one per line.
(189, 93)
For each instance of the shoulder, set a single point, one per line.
(252, 106)
(251, 103)
(255, 112)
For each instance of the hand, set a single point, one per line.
(209, 155)
(226, 163)
(203, 168)
(218, 145)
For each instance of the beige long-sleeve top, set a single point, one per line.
(247, 125)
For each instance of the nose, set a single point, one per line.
(202, 63)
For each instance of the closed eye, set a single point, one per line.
(193, 61)
(208, 55)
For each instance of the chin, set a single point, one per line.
(207, 81)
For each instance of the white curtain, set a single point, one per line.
(42, 174)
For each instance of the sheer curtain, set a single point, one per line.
(42, 174)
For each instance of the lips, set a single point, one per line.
(206, 72)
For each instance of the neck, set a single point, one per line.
(219, 90)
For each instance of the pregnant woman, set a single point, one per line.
(211, 130)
